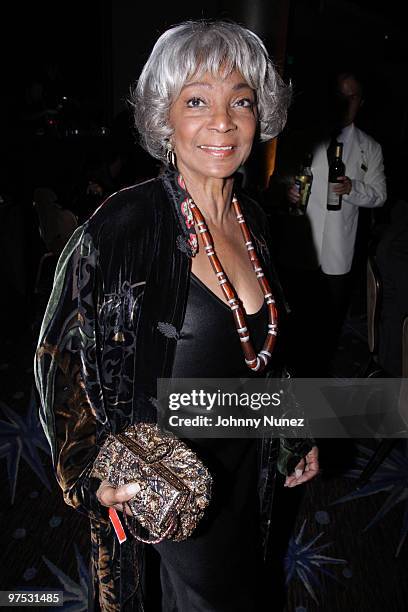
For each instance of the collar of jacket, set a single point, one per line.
(188, 242)
(178, 196)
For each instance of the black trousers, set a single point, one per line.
(319, 304)
(337, 290)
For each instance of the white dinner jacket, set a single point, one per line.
(334, 232)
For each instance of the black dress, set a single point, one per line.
(219, 568)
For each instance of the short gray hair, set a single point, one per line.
(193, 48)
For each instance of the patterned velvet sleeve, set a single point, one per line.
(67, 374)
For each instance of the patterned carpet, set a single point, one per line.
(344, 550)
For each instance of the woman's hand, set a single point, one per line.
(305, 470)
(113, 497)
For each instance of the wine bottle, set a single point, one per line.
(303, 182)
(336, 169)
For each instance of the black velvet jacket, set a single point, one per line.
(110, 330)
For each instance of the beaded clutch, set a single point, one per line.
(175, 486)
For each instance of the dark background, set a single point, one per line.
(101, 46)
(348, 544)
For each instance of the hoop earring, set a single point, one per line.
(170, 155)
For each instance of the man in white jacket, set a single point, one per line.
(333, 233)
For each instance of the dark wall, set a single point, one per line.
(100, 47)
(134, 31)
(72, 35)
(367, 36)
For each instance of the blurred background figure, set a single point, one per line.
(55, 226)
(318, 248)
(48, 106)
(55, 223)
(392, 262)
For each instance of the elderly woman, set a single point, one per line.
(173, 278)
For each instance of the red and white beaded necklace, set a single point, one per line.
(255, 362)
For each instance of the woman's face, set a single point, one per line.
(214, 121)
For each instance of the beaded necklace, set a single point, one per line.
(255, 362)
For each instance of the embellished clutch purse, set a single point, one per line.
(175, 486)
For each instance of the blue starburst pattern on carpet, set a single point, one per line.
(305, 561)
(391, 476)
(21, 437)
(322, 517)
(75, 593)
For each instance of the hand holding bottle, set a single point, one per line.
(298, 194)
(293, 194)
(343, 187)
